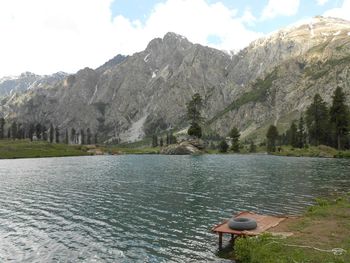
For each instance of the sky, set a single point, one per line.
(47, 36)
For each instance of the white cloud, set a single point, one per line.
(276, 8)
(341, 12)
(321, 2)
(47, 36)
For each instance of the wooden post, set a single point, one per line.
(220, 240)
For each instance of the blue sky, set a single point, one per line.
(141, 10)
(66, 35)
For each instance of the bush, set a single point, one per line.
(195, 130)
(223, 146)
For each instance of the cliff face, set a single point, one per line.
(301, 62)
(27, 80)
(270, 81)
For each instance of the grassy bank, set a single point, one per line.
(313, 151)
(323, 227)
(10, 149)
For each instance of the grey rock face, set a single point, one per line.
(271, 81)
(183, 148)
(26, 81)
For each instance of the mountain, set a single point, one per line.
(28, 80)
(285, 71)
(272, 80)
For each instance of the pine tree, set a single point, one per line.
(234, 135)
(317, 121)
(88, 136)
(339, 117)
(44, 132)
(38, 131)
(293, 135)
(223, 146)
(66, 139)
(96, 138)
(154, 141)
(194, 115)
(14, 130)
(73, 135)
(172, 138)
(161, 142)
(301, 134)
(195, 130)
(57, 134)
(31, 131)
(272, 136)
(20, 131)
(252, 147)
(82, 133)
(167, 139)
(2, 128)
(51, 134)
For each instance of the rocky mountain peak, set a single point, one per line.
(170, 41)
(127, 98)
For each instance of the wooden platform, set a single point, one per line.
(264, 223)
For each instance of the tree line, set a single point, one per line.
(322, 125)
(159, 141)
(52, 134)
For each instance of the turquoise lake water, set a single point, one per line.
(147, 208)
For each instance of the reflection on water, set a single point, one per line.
(146, 208)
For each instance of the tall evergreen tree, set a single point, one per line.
(96, 138)
(38, 131)
(73, 135)
(161, 142)
(20, 131)
(44, 132)
(82, 134)
(194, 115)
(293, 135)
(339, 117)
(154, 141)
(14, 130)
(2, 128)
(52, 133)
(31, 131)
(57, 134)
(223, 146)
(317, 121)
(167, 139)
(234, 135)
(88, 136)
(272, 136)
(301, 134)
(252, 147)
(66, 138)
(172, 138)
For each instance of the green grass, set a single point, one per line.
(313, 151)
(324, 226)
(12, 149)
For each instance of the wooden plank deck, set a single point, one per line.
(264, 223)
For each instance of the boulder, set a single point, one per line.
(183, 148)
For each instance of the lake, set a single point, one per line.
(147, 208)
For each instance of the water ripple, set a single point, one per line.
(146, 208)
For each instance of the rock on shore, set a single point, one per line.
(184, 148)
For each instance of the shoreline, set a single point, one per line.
(320, 234)
(24, 149)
